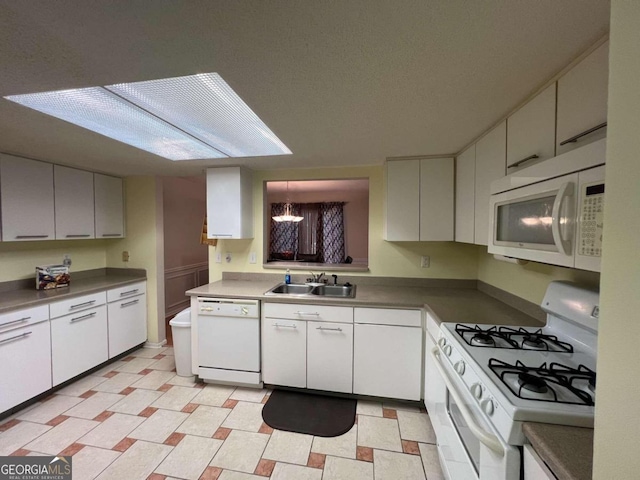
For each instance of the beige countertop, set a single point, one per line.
(28, 297)
(568, 451)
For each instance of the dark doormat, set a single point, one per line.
(309, 413)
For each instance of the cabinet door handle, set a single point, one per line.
(132, 302)
(520, 162)
(7, 340)
(315, 314)
(20, 320)
(78, 235)
(330, 329)
(111, 234)
(85, 304)
(221, 234)
(130, 292)
(83, 317)
(32, 236)
(285, 326)
(577, 137)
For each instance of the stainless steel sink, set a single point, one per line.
(304, 290)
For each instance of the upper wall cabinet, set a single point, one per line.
(531, 131)
(419, 200)
(465, 195)
(582, 101)
(26, 192)
(229, 203)
(109, 206)
(74, 203)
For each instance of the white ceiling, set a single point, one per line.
(340, 82)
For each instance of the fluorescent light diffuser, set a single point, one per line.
(183, 118)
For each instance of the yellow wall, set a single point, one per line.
(401, 259)
(617, 433)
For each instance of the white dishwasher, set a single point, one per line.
(229, 340)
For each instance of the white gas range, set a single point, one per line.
(495, 378)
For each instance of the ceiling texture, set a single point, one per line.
(340, 82)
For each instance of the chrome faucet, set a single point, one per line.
(316, 278)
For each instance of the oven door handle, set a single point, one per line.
(488, 439)
(566, 190)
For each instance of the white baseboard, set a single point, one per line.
(156, 345)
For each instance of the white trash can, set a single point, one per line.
(181, 330)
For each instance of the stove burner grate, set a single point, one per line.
(532, 383)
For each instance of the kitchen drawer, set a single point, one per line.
(22, 318)
(317, 313)
(126, 291)
(77, 304)
(388, 316)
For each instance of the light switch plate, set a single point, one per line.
(218, 257)
(253, 257)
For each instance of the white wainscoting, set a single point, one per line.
(180, 279)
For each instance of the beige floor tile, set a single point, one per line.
(182, 381)
(245, 416)
(94, 405)
(153, 380)
(336, 468)
(138, 462)
(380, 433)
(79, 387)
(38, 454)
(136, 401)
(89, 462)
(167, 363)
(108, 368)
(168, 351)
(118, 383)
(407, 407)
(50, 409)
(135, 365)
(341, 446)
(248, 394)
(284, 471)
(148, 352)
(176, 398)
(61, 436)
(19, 435)
(241, 451)
(112, 430)
(392, 466)
(431, 461)
(288, 447)
(204, 421)
(159, 426)
(213, 395)
(190, 457)
(416, 427)
(365, 407)
(230, 475)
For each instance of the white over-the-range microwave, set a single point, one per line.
(552, 212)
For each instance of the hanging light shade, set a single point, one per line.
(288, 215)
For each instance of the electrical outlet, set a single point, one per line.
(67, 260)
(125, 256)
(218, 257)
(253, 257)
(228, 257)
(425, 262)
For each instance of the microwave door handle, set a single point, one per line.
(566, 190)
(488, 439)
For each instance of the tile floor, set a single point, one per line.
(136, 419)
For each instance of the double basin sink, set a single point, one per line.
(305, 290)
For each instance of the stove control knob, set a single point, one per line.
(447, 350)
(442, 342)
(487, 406)
(476, 390)
(460, 367)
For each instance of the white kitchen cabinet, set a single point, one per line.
(491, 156)
(109, 206)
(27, 373)
(74, 203)
(26, 199)
(284, 352)
(419, 200)
(229, 203)
(531, 131)
(330, 356)
(534, 467)
(77, 304)
(78, 343)
(127, 323)
(465, 195)
(387, 359)
(582, 101)
(321, 313)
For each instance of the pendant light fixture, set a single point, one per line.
(288, 212)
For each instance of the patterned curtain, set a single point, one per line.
(332, 223)
(284, 235)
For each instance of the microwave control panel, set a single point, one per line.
(591, 219)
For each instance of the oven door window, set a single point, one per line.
(469, 440)
(527, 222)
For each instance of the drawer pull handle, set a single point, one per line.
(111, 234)
(221, 234)
(85, 304)
(130, 292)
(520, 162)
(285, 326)
(575, 138)
(132, 302)
(330, 329)
(83, 317)
(32, 236)
(78, 235)
(20, 320)
(7, 340)
(206, 309)
(315, 314)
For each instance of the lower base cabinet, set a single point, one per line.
(284, 352)
(127, 324)
(330, 356)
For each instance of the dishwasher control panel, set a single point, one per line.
(216, 307)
